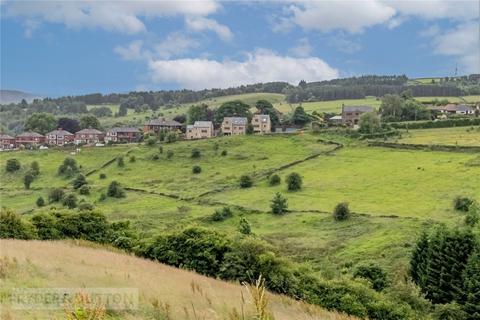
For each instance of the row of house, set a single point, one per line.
(461, 109)
(350, 115)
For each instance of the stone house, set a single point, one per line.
(161, 124)
(234, 126)
(200, 130)
(261, 123)
(123, 135)
(351, 114)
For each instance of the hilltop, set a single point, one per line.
(15, 96)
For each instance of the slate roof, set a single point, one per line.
(163, 122)
(60, 132)
(5, 137)
(237, 120)
(263, 117)
(202, 124)
(124, 129)
(89, 131)
(29, 134)
(357, 109)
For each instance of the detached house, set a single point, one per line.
(123, 134)
(261, 123)
(29, 139)
(60, 137)
(6, 142)
(161, 124)
(234, 126)
(89, 136)
(351, 114)
(200, 130)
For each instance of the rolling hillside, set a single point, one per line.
(164, 292)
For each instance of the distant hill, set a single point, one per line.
(15, 96)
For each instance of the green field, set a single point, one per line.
(462, 136)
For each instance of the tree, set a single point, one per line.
(115, 190)
(235, 108)
(35, 168)
(391, 106)
(28, 179)
(294, 181)
(341, 211)
(274, 180)
(374, 274)
(473, 215)
(41, 123)
(12, 165)
(89, 121)
(246, 181)
(120, 162)
(40, 202)
(471, 286)
(12, 226)
(279, 204)
(101, 112)
(46, 225)
(151, 141)
(171, 137)
(70, 201)
(300, 117)
(196, 154)
(84, 190)
(449, 311)
(56, 195)
(244, 227)
(462, 203)
(68, 168)
(71, 125)
(222, 214)
(369, 123)
(196, 169)
(79, 181)
(199, 113)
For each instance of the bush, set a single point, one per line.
(196, 169)
(462, 203)
(132, 159)
(246, 181)
(244, 227)
(155, 157)
(84, 190)
(169, 154)
(40, 202)
(221, 214)
(12, 226)
(12, 165)
(102, 176)
(68, 168)
(374, 274)
(70, 201)
(216, 146)
(473, 215)
(274, 180)
(84, 206)
(102, 197)
(160, 149)
(294, 181)
(56, 195)
(279, 204)
(88, 225)
(224, 153)
(115, 190)
(341, 211)
(35, 168)
(79, 181)
(120, 162)
(46, 225)
(196, 154)
(151, 141)
(450, 311)
(27, 180)
(171, 137)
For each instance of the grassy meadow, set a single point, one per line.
(462, 136)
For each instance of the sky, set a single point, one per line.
(75, 47)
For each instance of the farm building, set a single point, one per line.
(161, 124)
(123, 134)
(200, 130)
(351, 114)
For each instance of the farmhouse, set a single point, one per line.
(200, 130)
(234, 126)
(88, 136)
(459, 109)
(60, 137)
(161, 124)
(29, 139)
(123, 134)
(6, 142)
(335, 120)
(261, 123)
(351, 114)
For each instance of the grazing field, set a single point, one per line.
(163, 292)
(334, 106)
(248, 98)
(461, 136)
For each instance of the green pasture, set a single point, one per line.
(459, 136)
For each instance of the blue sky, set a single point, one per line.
(74, 47)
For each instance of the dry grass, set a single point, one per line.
(164, 292)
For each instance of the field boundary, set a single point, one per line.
(106, 164)
(427, 147)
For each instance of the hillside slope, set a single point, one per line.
(15, 96)
(189, 295)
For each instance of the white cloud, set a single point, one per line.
(342, 43)
(118, 16)
(303, 49)
(463, 42)
(174, 44)
(131, 52)
(202, 24)
(259, 66)
(437, 9)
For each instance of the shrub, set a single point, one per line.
(12, 165)
(216, 146)
(341, 211)
(160, 149)
(462, 203)
(374, 274)
(473, 215)
(13, 226)
(196, 154)
(46, 225)
(221, 214)
(85, 206)
(294, 181)
(450, 311)
(115, 190)
(196, 169)
(246, 181)
(79, 181)
(151, 141)
(27, 180)
(68, 168)
(40, 202)
(132, 159)
(171, 137)
(84, 190)
(70, 201)
(102, 176)
(35, 168)
(120, 162)
(224, 153)
(155, 157)
(102, 197)
(279, 204)
(274, 180)
(244, 227)
(88, 225)
(56, 195)
(169, 154)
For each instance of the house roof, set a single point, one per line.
(29, 134)
(124, 129)
(202, 124)
(163, 122)
(60, 132)
(237, 120)
(335, 118)
(357, 108)
(263, 117)
(5, 136)
(89, 131)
